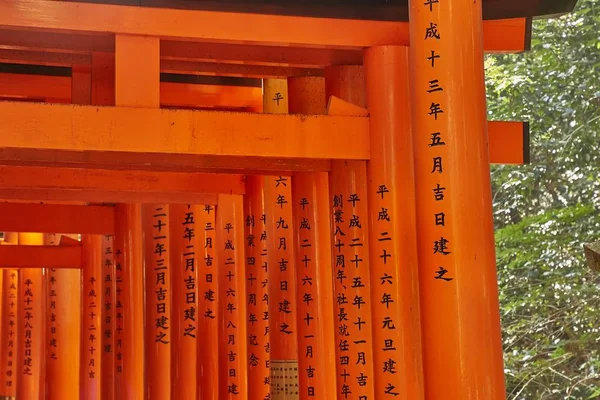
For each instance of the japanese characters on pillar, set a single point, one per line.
(31, 318)
(282, 288)
(8, 341)
(158, 298)
(348, 197)
(312, 241)
(230, 239)
(454, 210)
(259, 368)
(392, 226)
(282, 264)
(108, 319)
(209, 302)
(185, 238)
(118, 312)
(91, 334)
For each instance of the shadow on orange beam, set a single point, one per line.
(49, 218)
(235, 70)
(24, 256)
(226, 26)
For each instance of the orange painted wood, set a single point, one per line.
(31, 341)
(233, 370)
(37, 87)
(209, 298)
(81, 84)
(337, 106)
(312, 242)
(92, 129)
(37, 57)
(508, 142)
(22, 256)
(103, 79)
(235, 70)
(8, 340)
(348, 188)
(91, 196)
(209, 96)
(129, 346)
(158, 292)
(80, 179)
(257, 319)
(92, 352)
(63, 325)
(455, 232)
(218, 26)
(108, 318)
(186, 244)
(137, 79)
(47, 218)
(392, 225)
(283, 325)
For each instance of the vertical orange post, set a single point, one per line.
(157, 274)
(232, 307)
(137, 84)
(209, 316)
(91, 328)
(31, 327)
(129, 338)
(392, 226)
(63, 329)
(310, 193)
(348, 199)
(108, 319)
(259, 368)
(185, 238)
(282, 263)
(103, 93)
(8, 339)
(459, 294)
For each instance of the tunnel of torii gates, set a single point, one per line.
(221, 200)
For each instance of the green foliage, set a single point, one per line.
(545, 211)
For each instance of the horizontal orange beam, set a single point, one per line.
(95, 196)
(38, 57)
(219, 26)
(22, 256)
(51, 218)
(235, 70)
(78, 179)
(214, 96)
(107, 129)
(508, 142)
(35, 86)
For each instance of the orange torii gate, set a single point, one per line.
(265, 202)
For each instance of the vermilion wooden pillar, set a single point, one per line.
(63, 327)
(348, 201)
(186, 256)
(137, 84)
(103, 93)
(233, 371)
(281, 260)
(259, 366)
(31, 327)
(157, 274)
(91, 318)
(310, 204)
(459, 292)
(209, 298)
(392, 226)
(108, 318)
(9, 330)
